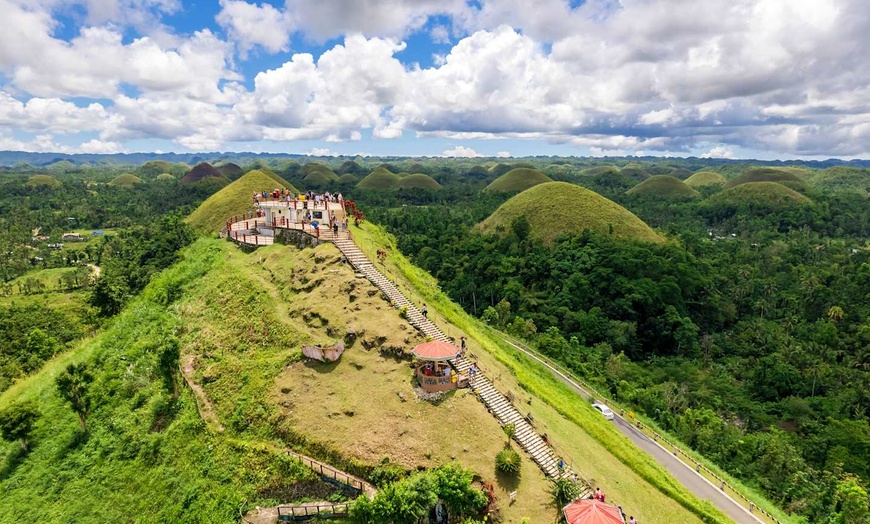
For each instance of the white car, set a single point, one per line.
(606, 411)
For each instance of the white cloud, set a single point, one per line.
(252, 25)
(718, 152)
(50, 114)
(462, 151)
(503, 154)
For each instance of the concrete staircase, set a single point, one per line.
(496, 402)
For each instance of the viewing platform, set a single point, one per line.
(317, 219)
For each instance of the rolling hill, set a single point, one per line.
(165, 177)
(664, 186)
(199, 172)
(42, 181)
(517, 179)
(705, 178)
(125, 180)
(770, 196)
(230, 170)
(418, 181)
(768, 174)
(380, 178)
(234, 199)
(559, 208)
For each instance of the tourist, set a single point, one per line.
(561, 465)
(344, 224)
(473, 369)
(632, 520)
(462, 346)
(425, 312)
(598, 495)
(335, 229)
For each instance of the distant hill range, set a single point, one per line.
(11, 158)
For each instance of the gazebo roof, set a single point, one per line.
(435, 350)
(591, 511)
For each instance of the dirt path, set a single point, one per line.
(96, 269)
(688, 477)
(203, 404)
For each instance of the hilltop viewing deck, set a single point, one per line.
(326, 221)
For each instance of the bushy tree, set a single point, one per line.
(74, 384)
(167, 362)
(17, 421)
(508, 461)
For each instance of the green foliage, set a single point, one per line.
(234, 199)
(379, 179)
(510, 430)
(74, 386)
(705, 178)
(17, 421)
(508, 461)
(168, 354)
(409, 499)
(125, 180)
(418, 181)
(564, 491)
(767, 174)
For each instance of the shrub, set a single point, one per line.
(564, 491)
(507, 461)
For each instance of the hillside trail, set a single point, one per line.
(203, 404)
(685, 475)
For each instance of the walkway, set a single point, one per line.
(497, 403)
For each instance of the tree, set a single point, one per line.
(16, 422)
(74, 386)
(169, 353)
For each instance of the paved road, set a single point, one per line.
(693, 481)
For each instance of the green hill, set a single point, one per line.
(348, 178)
(559, 208)
(768, 174)
(705, 178)
(770, 196)
(320, 171)
(234, 199)
(418, 181)
(230, 170)
(380, 178)
(125, 180)
(165, 177)
(633, 171)
(840, 178)
(664, 186)
(518, 179)
(153, 168)
(42, 181)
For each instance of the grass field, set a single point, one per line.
(593, 446)
(418, 181)
(125, 180)
(49, 278)
(558, 208)
(234, 199)
(518, 179)
(768, 174)
(664, 186)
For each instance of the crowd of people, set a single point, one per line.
(309, 197)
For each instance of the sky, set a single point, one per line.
(765, 79)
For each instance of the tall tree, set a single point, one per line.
(74, 386)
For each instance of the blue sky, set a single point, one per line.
(721, 78)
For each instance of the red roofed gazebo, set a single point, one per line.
(433, 371)
(591, 511)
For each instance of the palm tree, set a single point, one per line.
(835, 313)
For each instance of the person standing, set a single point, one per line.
(425, 312)
(632, 520)
(462, 346)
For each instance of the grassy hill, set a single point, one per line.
(348, 178)
(199, 172)
(634, 171)
(840, 179)
(125, 180)
(770, 196)
(418, 181)
(230, 170)
(380, 178)
(42, 181)
(517, 179)
(234, 199)
(165, 177)
(558, 208)
(313, 171)
(768, 174)
(664, 186)
(705, 178)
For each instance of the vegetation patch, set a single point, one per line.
(559, 208)
(200, 172)
(770, 196)
(234, 199)
(517, 179)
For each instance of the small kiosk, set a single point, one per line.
(433, 369)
